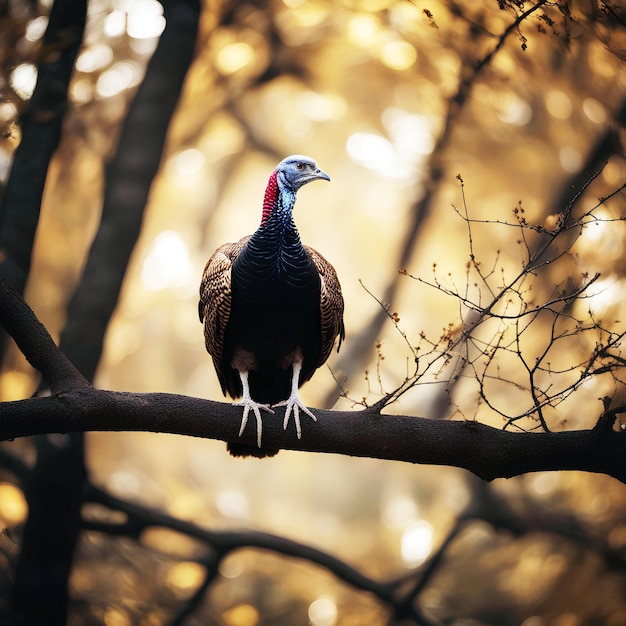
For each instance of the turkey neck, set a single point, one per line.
(275, 253)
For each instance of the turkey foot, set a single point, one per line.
(248, 403)
(293, 403)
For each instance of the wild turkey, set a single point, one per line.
(271, 308)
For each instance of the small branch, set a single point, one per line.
(32, 338)
(508, 30)
(359, 349)
(606, 421)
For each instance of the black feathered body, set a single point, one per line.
(266, 301)
(275, 313)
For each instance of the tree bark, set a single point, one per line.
(486, 451)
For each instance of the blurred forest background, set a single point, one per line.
(394, 99)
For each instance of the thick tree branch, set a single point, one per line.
(487, 452)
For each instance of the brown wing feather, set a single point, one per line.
(331, 305)
(215, 299)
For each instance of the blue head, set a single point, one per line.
(298, 170)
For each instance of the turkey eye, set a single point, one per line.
(299, 166)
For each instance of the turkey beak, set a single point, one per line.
(320, 174)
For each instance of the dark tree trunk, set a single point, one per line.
(55, 491)
(54, 488)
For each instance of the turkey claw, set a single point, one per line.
(294, 405)
(255, 406)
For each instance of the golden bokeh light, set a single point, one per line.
(615, 170)
(116, 617)
(167, 264)
(241, 615)
(13, 506)
(417, 543)
(513, 110)
(117, 79)
(81, 91)
(183, 578)
(36, 28)
(8, 111)
(323, 612)
(398, 55)
(170, 542)
(322, 107)
(23, 80)
(115, 24)
(559, 104)
(594, 110)
(94, 58)
(187, 163)
(571, 159)
(412, 135)
(223, 137)
(304, 15)
(15, 384)
(361, 29)
(145, 19)
(123, 341)
(233, 503)
(399, 511)
(234, 57)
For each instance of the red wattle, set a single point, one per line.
(271, 195)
